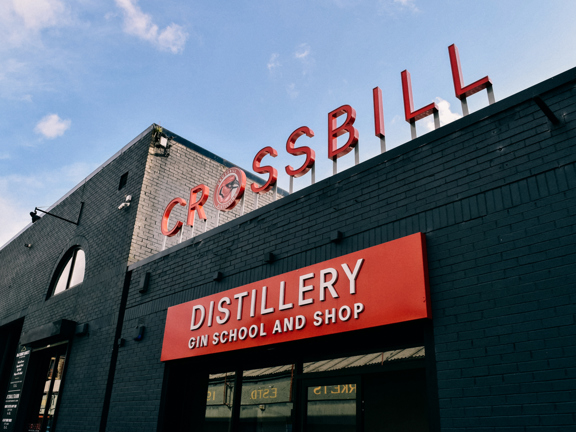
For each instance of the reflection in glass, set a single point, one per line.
(359, 361)
(219, 402)
(55, 393)
(79, 266)
(266, 404)
(63, 279)
(331, 408)
(43, 420)
(73, 272)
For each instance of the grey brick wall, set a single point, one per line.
(494, 194)
(173, 176)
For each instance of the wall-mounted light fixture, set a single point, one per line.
(35, 216)
(139, 334)
(144, 283)
(161, 140)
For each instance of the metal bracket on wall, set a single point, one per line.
(546, 110)
(35, 216)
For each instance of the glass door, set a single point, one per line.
(46, 389)
(332, 406)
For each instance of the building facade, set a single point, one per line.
(491, 346)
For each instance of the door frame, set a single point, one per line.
(38, 373)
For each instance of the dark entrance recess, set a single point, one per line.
(272, 390)
(44, 383)
(9, 335)
(38, 377)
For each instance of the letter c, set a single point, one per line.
(166, 216)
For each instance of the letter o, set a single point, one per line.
(348, 313)
(242, 333)
(254, 333)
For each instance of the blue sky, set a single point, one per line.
(79, 79)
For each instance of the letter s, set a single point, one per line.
(310, 154)
(272, 172)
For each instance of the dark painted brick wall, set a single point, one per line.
(494, 194)
(107, 235)
(104, 233)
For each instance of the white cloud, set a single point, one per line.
(140, 24)
(302, 51)
(172, 38)
(39, 14)
(446, 116)
(291, 90)
(21, 21)
(52, 126)
(273, 63)
(303, 54)
(4, 156)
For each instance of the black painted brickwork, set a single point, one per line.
(104, 233)
(494, 194)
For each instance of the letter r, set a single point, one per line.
(197, 204)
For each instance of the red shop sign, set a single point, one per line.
(381, 285)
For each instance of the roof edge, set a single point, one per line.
(92, 174)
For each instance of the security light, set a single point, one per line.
(126, 202)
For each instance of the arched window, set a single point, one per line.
(70, 271)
